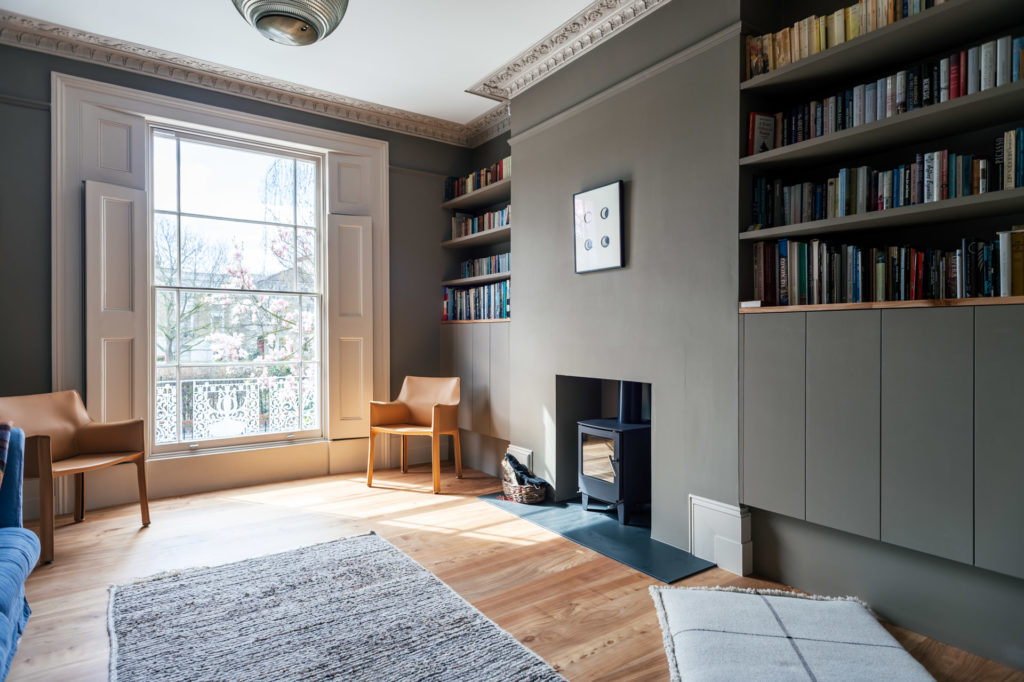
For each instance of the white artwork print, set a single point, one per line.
(598, 226)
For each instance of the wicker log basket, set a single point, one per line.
(523, 494)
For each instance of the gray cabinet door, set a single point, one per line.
(998, 444)
(927, 439)
(773, 412)
(843, 424)
(463, 364)
(481, 384)
(500, 388)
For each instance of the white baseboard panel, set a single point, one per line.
(720, 533)
(172, 476)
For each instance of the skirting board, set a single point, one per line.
(720, 533)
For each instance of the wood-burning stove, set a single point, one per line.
(615, 457)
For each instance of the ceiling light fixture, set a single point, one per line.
(293, 22)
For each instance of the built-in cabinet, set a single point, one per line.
(774, 413)
(927, 420)
(843, 420)
(900, 424)
(998, 441)
(479, 355)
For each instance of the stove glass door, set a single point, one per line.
(598, 457)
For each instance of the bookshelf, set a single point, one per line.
(497, 235)
(479, 279)
(885, 305)
(964, 125)
(980, 110)
(484, 210)
(951, 23)
(477, 350)
(874, 417)
(1003, 202)
(494, 193)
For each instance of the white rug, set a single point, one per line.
(355, 609)
(767, 635)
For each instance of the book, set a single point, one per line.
(944, 79)
(1004, 62)
(988, 65)
(1017, 261)
(761, 136)
(1017, 59)
(973, 71)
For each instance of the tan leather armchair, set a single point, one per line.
(426, 406)
(62, 440)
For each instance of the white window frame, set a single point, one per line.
(224, 139)
(69, 94)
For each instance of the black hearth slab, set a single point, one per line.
(601, 532)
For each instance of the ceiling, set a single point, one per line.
(412, 55)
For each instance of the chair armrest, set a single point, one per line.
(445, 418)
(388, 413)
(124, 436)
(37, 451)
(10, 490)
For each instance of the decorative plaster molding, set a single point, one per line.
(489, 124)
(568, 42)
(33, 34)
(579, 35)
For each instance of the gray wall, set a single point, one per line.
(416, 219)
(965, 606)
(669, 317)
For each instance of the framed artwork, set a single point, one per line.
(597, 228)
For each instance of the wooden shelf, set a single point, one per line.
(1004, 202)
(980, 110)
(478, 279)
(504, 319)
(945, 26)
(881, 305)
(492, 236)
(479, 198)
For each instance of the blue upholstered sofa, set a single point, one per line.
(19, 552)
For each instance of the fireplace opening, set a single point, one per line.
(614, 456)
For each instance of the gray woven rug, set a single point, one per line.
(355, 609)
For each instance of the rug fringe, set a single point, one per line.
(770, 593)
(666, 636)
(178, 571)
(112, 663)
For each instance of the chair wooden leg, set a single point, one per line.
(435, 461)
(369, 462)
(405, 454)
(46, 516)
(79, 497)
(140, 469)
(458, 454)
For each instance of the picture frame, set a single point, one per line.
(598, 228)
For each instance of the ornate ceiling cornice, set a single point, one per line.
(33, 34)
(583, 32)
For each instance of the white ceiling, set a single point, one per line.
(414, 55)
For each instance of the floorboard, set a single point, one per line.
(588, 616)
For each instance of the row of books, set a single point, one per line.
(932, 176)
(465, 224)
(814, 34)
(457, 186)
(489, 265)
(788, 272)
(487, 302)
(977, 69)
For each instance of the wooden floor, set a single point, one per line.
(588, 616)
